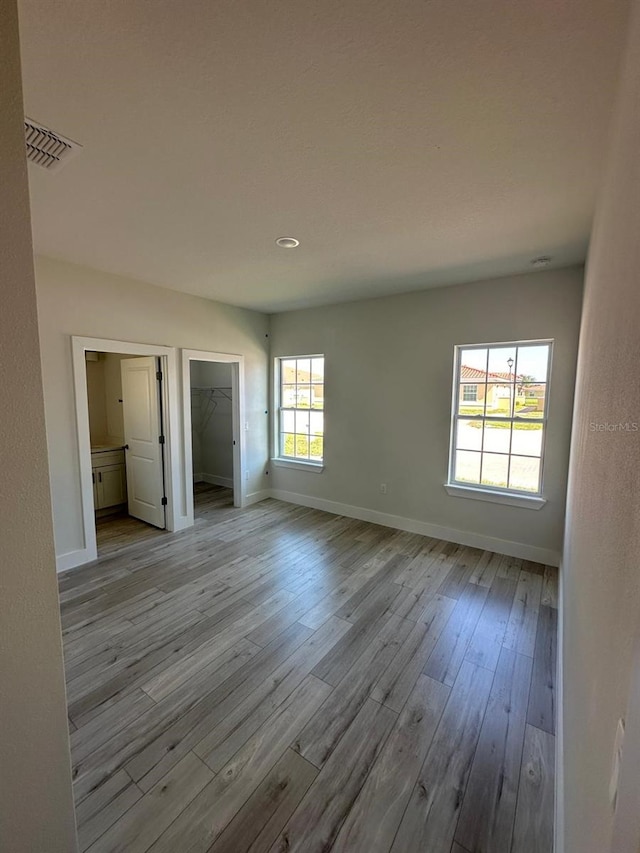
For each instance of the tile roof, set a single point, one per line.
(289, 376)
(473, 373)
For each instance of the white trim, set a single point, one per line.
(256, 497)
(215, 480)
(175, 485)
(237, 420)
(558, 823)
(278, 409)
(72, 560)
(274, 421)
(455, 406)
(316, 467)
(508, 498)
(411, 525)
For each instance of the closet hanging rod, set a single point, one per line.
(214, 392)
(211, 388)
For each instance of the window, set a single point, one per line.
(301, 409)
(500, 417)
(469, 393)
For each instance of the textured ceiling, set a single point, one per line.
(405, 144)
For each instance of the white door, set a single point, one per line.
(142, 435)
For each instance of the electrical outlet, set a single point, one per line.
(383, 488)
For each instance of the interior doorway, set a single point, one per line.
(212, 434)
(125, 409)
(176, 429)
(212, 393)
(139, 426)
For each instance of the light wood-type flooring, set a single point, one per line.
(282, 679)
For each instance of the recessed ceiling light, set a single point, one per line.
(542, 261)
(287, 242)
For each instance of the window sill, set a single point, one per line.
(526, 501)
(316, 467)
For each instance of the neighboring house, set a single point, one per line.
(496, 389)
(538, 391)
(479, 386)
(309, 386)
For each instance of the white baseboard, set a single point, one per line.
(214, 480)
(256, 497)
(73, 559)
(197, 478)
(180, 522)
(411, 525)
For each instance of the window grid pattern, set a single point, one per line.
(301, 408)
(498, 437)
(470, 393)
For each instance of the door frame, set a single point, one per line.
(237, 420)
(170, 388)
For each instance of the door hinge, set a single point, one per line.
(159, 375)
(164, 501)
(160, 439)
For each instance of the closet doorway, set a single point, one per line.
(212, 389)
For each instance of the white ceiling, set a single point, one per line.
(405, 143)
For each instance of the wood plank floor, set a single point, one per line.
(282, 679)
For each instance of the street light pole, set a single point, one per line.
(511, 413)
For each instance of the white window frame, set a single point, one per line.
(497, 494)
(317, 466)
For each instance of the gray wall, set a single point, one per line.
(113, 394)
(104, 392)
(388, 372)
(74, 300)
(97, 400)
(36, 805)
(601, 566)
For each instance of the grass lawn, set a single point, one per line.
(498, 424)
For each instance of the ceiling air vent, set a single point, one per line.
(46, 148)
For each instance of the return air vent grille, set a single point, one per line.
(46, 148)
